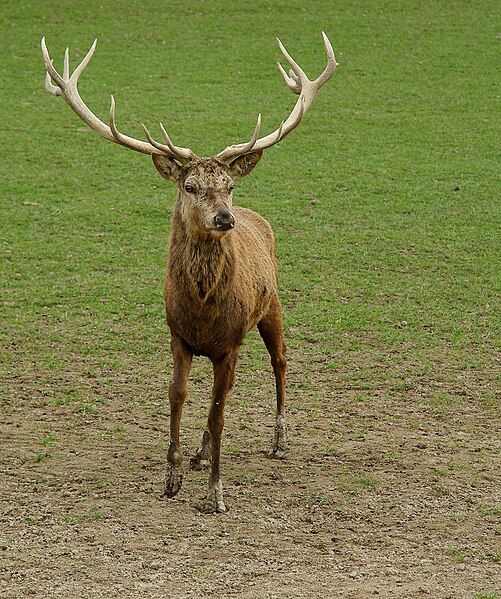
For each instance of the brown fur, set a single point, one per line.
(218, 289)
(220, 284)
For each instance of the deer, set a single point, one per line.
(222, 276)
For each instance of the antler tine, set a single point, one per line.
(67, 87)
(243, 148)
(295, 67)
(169, 143)
(279, 133)
(293, 76)
(119, 137)
(167, 138)
(181, 154)
(66, 68)
(291, 79)
(50, 87)
(154, 143)
(86, 59)
(298, 82)
(51, 71)
(293, 122)
(248, 146)
(331, 62)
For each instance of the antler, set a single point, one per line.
(297, 82)
(66, 87)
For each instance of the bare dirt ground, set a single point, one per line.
(381, 494)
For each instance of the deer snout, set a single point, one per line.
(224, 220)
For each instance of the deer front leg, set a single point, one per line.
(271, 330)
(182, 357)
(224, 378)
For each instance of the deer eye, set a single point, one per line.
(232, 186)
(189, 187)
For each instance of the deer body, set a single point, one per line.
(222, 272)
(217, 290)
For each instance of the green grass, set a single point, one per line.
(390, 281)
(457, 553)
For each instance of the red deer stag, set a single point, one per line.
(222, 272)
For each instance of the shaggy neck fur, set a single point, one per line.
(205, 260)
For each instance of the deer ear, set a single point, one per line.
(167, 167)
(243, 165)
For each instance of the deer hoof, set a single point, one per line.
(277, 454)
(173, 481)
(214, 503)
(198, 462)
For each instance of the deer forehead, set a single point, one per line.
(207, 173)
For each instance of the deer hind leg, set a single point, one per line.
(224, 378)
(182, 357)
(271, 329)
(201, 458)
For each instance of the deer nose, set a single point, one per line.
(224, 220)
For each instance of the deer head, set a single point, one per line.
(206, 190)
(205, 184)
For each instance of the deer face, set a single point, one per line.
(205, 191)
(205, 197)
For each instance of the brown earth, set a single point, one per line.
(382, 494)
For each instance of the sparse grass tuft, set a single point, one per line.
(457, 553)
(203, 573)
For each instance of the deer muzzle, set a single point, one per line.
(224, 220)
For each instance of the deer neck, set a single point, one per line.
(203, 262)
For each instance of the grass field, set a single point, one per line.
(385, 206)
